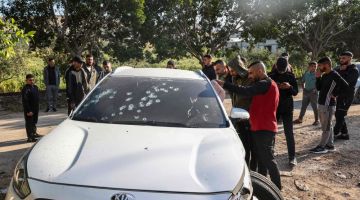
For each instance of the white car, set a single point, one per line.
(142, 134)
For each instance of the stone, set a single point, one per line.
(340, 174)
(287, 174)
(301, 185)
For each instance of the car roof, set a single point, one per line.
(159, 73)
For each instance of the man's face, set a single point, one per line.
(76, 65)
(233, 72)
(107, 67)
(323, 66)
(220, 69)
(254, 74)
(206, 61)
(345, 60)
(30, 81)
(90, 60)
(51, 63)
(312, 68)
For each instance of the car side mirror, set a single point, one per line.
(239, 113)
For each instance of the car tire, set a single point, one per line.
(263, 188)
(357, 97)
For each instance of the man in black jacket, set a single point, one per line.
(287, 88)
(329, 84)
(77, 84)
(208, 67)
(350, 73)
(30, 101)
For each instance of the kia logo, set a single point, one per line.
(123, 196)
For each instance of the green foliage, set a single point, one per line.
(11, 36)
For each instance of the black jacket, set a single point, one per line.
(330, 85)
(350, 75)
(209, 71)
(30, 98)
(77, 86)
(286, 102)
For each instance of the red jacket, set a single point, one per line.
(263, 110)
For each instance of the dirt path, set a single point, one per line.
(332, 176)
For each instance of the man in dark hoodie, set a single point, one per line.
(350, 74)
(30, 101)
(287, 88)
(78, 85)
(208, 67)
(240, 77)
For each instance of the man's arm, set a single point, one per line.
(294, 86)
(25, 100)
(352, 77)
(260, 87)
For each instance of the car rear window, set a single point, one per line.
(153, 101)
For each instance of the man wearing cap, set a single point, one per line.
(208, 67)
(288, 88)
(77, 83)
(329, 84)
(239, 75)
(350, 73)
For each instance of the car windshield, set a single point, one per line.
(153, 101)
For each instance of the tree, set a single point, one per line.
(313, 26)
(77, 26)
(11, 38)
(197, 27)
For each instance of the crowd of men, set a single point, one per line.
(267, 97)
(80, 77)
(269, 100)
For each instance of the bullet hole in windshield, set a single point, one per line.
(129, 99)
(131, 107)
(138, 111)
(149, 103)
(157, 101)
(129, 93)
(122, 107)
(206, 106)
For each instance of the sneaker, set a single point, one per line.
(342, 137)
(298, 121)
(330, 148)
(315, 123)
(293, 162)
(36, 135)
(319, 150)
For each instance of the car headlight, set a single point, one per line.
(20, 182)
(243, 190)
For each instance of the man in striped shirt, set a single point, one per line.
(329, 83)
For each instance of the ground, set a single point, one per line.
(332, 176)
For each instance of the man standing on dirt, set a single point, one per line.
(350, 73)
(52, 81)
(78, 86)
(310, 94)
(329, 84)
(240, 77)
(30, 101)
(208, 67)
(288, 88)
(92, 71)
(265, 99)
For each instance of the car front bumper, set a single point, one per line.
(43, 190)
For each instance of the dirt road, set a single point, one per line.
(332, 176)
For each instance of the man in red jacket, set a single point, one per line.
(265, 100)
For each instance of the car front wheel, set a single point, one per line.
(264, 189)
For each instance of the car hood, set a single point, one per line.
(139, 157)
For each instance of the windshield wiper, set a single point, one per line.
(85, 119)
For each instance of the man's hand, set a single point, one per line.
(285, 85)
(220, 82)
(318, 74)
(29, 114)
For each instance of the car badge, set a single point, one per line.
(123, 196)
